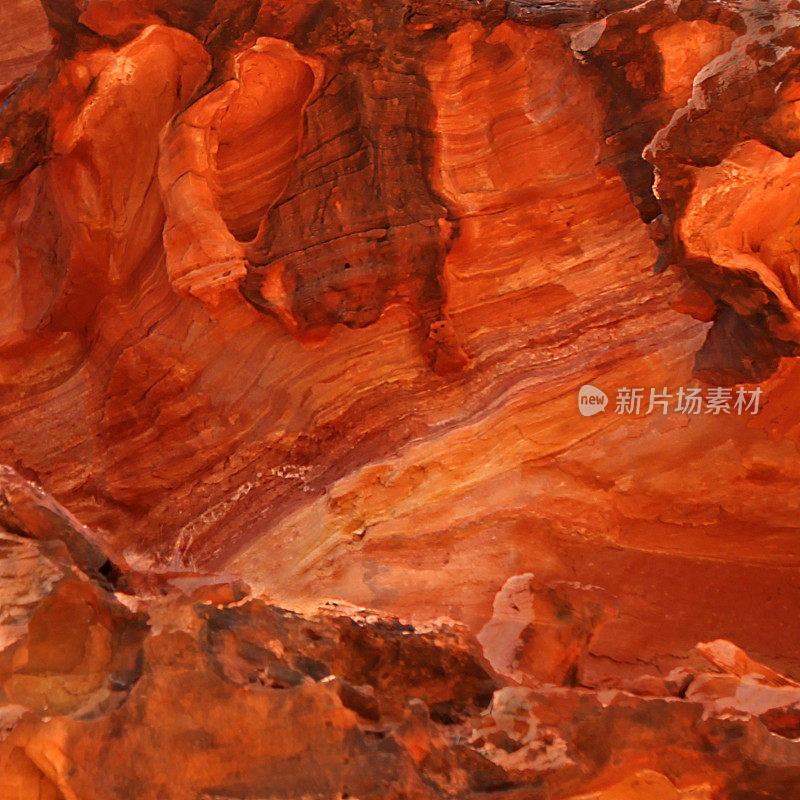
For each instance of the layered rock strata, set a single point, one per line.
(195, 687)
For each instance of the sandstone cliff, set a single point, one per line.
(302, 293)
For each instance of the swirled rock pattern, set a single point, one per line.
(303, 292)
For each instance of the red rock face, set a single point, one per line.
(193, 687)
(303, 294)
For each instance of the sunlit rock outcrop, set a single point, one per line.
(196, 687)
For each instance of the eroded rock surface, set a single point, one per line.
(304, 292)
(196, 688)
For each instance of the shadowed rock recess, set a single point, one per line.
(296, 498)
